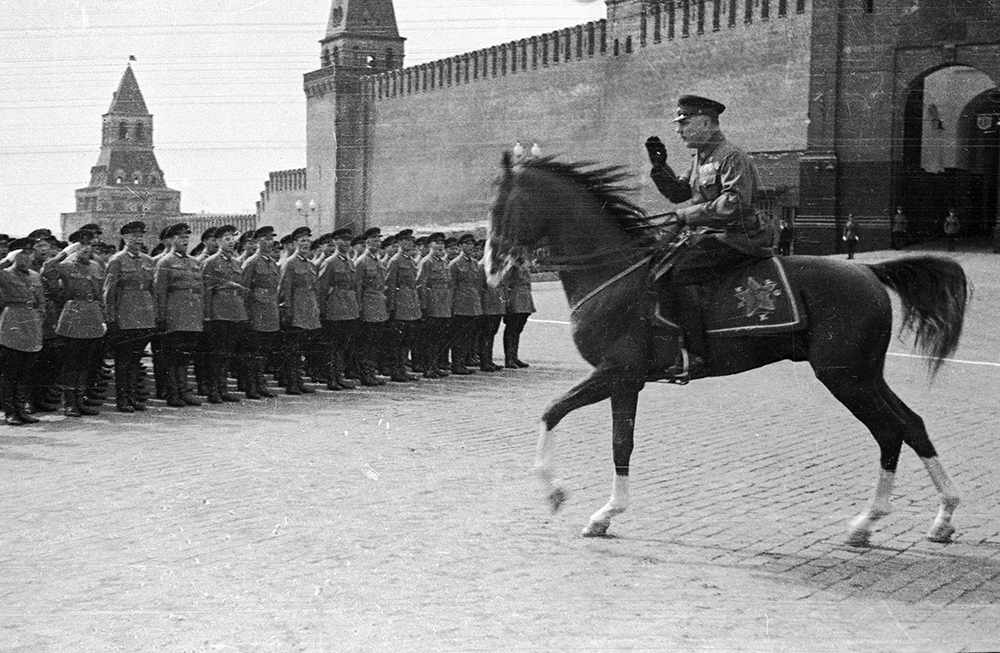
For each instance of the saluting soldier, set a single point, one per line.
(131, 310)
(403, 304)
(337, 290)
(22, 308)
(225, 314)
(371, 298)
(451, 248)
(46, 394)
(467, 303)
(299, 310)
(81, 324)
(434, 287)
(180, 313)
(260, 277)
(494, 308)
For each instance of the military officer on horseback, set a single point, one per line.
(724, 230)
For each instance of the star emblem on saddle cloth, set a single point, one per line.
(757, 298)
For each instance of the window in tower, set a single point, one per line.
(123, 131)
(628, 45)
(138, 132)
(390, 58)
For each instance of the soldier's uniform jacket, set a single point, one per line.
(468, 283)
(338, 289)
(722, 185)
(494, 299)
(297, 293)
(22, 308)
(224, 292)
(128, 291)
(401, 288)
(177, 287)
(434, 286)
(371, 288)
(81, 286)
(260, 277)
(518, 283)
(52, 288)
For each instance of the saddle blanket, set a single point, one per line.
(753, 300)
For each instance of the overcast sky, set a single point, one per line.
(222, 78)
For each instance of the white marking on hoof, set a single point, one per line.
(941, 533)
(596, 529)
(860, 532)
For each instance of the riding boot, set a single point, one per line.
(12, 416)
(172, 388)
(259, 381)
(686, 310)
(23, 403)
(517, 347)
(508, 351)
(222, 381)
(85, 407)
(43, 401)
(181, 372)
(136, 395)
(123, 383)
(71, 407)
(161, 373)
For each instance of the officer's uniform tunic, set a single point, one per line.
(371, 297)
(519, 306)
(300, 313)
(467, 307)
(494, 308)
(435, 289)
(180, 309)
(225, 315)
(338, 293)
(260, 276)
(81, 322)
(403, 305)
(128, 299)
(22, 309)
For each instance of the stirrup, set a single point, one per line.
(681, 375)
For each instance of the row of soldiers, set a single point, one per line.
(342, 307)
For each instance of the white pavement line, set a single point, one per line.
(948, 360)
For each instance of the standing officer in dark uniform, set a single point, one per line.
(81, 323)
(337, 290)
(299, 310)
(180, 313)
(22, 307)
(225, 314)
(726, 232)
(434, 286)
(467, 303)
(494, 308)
(128, 299)
(371, 298)
(260, 277)
(403, 304)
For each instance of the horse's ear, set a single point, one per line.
(507, 162)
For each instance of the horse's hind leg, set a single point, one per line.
(892, 423)
(623, 407)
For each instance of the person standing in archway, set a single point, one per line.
(851, 235)
(900, 229)
(952, 226)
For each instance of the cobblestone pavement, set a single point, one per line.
(406, 518)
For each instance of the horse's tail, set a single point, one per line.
(934, 293)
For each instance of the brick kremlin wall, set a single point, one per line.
(435, 153)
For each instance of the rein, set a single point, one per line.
(618, 277)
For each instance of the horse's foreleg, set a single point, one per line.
(878, 507)
(623, 408)
(597, 386)
(942, 529)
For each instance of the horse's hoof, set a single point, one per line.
(859, 539)
(557, 497)
(596, 529)
(941, 534)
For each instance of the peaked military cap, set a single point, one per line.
(198, 249)
(405, 234)
(39, 234)
(158, 249)
(223, 230)
(208, 233)
(693, 105)
(244, 237)
(325, 239)
(85, 236)
(466, 238)
(286, 239)
(163, 233)
(94, 227)
(263, 232)
(374, 232)
(4, 238)
(342, 234)
(302, 232)
(449, 242)
(134, 227)
(357, 240)
(436, 237)
(179, 229)
(21, 243)
(421, 241)
(388, 240)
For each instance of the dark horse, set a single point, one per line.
(604, 242)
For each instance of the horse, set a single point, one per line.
(602, 242)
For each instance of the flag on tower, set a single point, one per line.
(131, 57)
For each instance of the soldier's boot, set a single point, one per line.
(248, 365)
(172, 389)
(486, 363)
(12, 416)
(43, 401)
(71, 407)
(259, 380)
(123, 385)
(291, 375)
(685, 308)
(160, 373)
(136, 395)
(222, 382)
(181, 372)
(86, 407)
(23, 404)
(508, 351)
(329, 371)
(517, 346)
(300, 381)
(210, 379)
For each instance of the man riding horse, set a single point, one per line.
(724, 229)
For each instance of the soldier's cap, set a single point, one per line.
(693, 105)
(244, 237)
(450, 242)
(436, 237)
(374, 232)
(4, 238)
(302, 232)
(325, 239)
(420, 242)
(134, 227)
(163, 233)
(466, 238)
(285, 240)
(405, 234)
(39, 233)
(342, 234)
(198, 249)
(263, 232)
(96, 228)
(357, 240)
(481, 242)
(158, 249)
(223, 230)
(21, 243)
(388, 241)
(179, 229)
(84, 236)
(209, 234)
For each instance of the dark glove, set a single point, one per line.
(657, 151)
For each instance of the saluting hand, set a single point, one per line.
(657, 151)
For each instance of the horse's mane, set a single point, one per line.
(605, 185)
